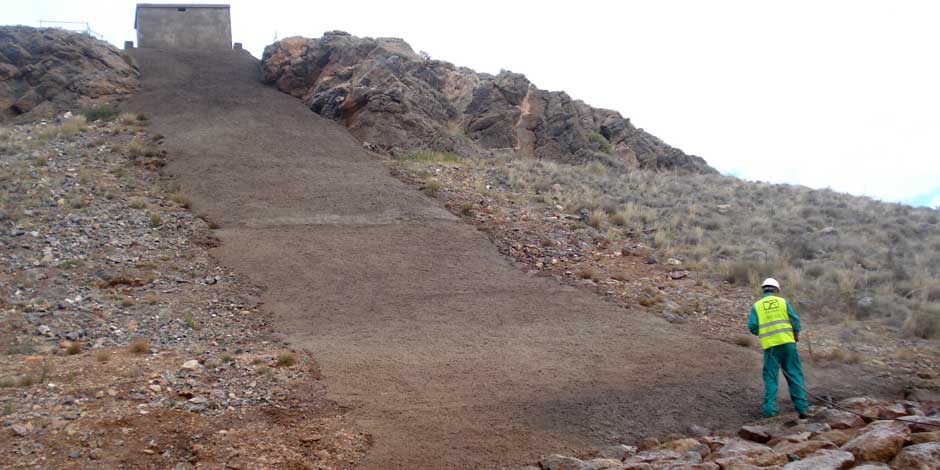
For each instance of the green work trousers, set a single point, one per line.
(786, 356)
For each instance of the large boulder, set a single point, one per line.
(880, 441)
(749, 452)
(824, 460)
(398, 100)
(918, 457)
(47, 70)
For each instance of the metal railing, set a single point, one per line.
(87, 27)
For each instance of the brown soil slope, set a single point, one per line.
(449, 355)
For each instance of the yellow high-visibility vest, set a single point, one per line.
(773, 322)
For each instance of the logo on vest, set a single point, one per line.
(771, 304)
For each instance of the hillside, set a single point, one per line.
(398, 101)
(205, 273)
(45, 71)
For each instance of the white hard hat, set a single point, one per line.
(771, 282)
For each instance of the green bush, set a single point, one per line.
(101, 112)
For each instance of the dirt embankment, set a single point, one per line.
(448, 354)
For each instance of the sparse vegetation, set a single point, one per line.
(190, 321)
(140, 346)
(848, 257)
(155, 220)
(286, 359)
(103, 112)
(73, 348)
(432, 188)
(182, 200)
(589, 273)
(102, 356)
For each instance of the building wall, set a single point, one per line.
(194, 28)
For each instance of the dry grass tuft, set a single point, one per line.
(73, 348)
(102, 356)
(286, 359)
(589, 272)
(140, 346)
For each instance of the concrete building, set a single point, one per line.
(183, 26)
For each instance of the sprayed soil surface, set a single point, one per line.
(447, 353)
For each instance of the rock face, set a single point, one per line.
(46, 70)
(391, 97)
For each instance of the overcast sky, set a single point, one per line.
(840, 94)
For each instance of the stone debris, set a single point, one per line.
(787, 445)
(118, 325)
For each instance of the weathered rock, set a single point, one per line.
(604, 463)
(839, 419)
(649, 443)
(750, 452)
(802, 449)
(922, 423)
(918, 457)
(399, 101)
(561, 462)
(879, 442)
(46, 70)
(759, 434)
(191, 364)
(922, 437)
(635, 466)
(823, 460)
(839, 436)
(618, 452)
(687, 445)
(693, 466)
(654, 456)
(19, 430)
(798, 437)
(872, 466)
(892, 411)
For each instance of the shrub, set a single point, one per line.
(103, 112)
(102, 356)
(73, 348)
(191, 322)
(155, 220)
(432, 188)
(600, 142)
(140, 346)
(595, 219)
(286, 359)
(588, 272)
(182, 200)
(924, 322)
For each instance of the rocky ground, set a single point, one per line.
(831, 439)
(124, 342)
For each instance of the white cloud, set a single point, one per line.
(837, 94)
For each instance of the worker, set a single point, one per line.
(777, 326)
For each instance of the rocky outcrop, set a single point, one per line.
(397, 100)
(46, 70)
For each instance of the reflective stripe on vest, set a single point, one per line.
(773, 322)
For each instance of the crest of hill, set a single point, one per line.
(400, 101)
(47, 70)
